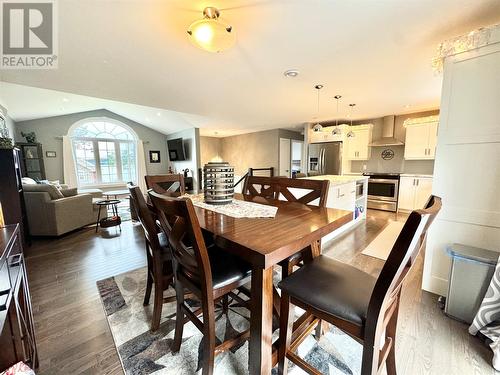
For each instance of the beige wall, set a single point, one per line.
(210, 149)
(256, 150)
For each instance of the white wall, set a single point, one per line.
(467, 165)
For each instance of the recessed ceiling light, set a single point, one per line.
(291, 73)
(407, 106)
(147, 118)
(158, 114)
(65, 100)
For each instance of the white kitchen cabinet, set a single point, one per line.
(358, 146)
(406, 198)
(322, 136)
(421, 138)
(342, 197)
(414, 191)
(423, 191)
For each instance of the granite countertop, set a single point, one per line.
(416, 175)
(336, 179)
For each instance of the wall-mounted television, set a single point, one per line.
(176, 150)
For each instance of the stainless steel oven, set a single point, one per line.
(383, 190)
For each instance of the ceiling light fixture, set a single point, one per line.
(211, 33)
(292, 73)
(351, 134)
(317, 127)
(336, 130)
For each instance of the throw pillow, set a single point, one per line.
(53, 192)
(28, 181)
(69, 192)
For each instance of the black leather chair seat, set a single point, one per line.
(332, 287)
(165, 249)
(226, 268)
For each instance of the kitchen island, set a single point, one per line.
(346, 193)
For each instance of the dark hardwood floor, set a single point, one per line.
(74, 338)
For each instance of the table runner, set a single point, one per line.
(487, 319)
(237, 209)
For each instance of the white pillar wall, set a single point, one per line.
(467, 164)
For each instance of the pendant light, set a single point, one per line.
(318, 127)
(336, 130)
(351, 134)
(211, 33)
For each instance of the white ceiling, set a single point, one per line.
(26, 103)
(375, 53)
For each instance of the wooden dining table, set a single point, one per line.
(264, 242)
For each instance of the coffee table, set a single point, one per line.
(116, 193)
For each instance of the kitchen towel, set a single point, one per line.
(487, 319)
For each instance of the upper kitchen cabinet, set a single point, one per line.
(326, 134)
(421, 138)
(358, 146)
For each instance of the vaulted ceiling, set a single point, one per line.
(375, 53)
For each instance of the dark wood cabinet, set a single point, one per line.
(11, 190)
(17, 334)
(32, 160)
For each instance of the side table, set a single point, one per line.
(113, 221)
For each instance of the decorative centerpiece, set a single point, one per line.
(218, 179)
(30, 137)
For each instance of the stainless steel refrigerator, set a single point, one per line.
(324, 158)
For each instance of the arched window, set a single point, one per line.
(105, 152)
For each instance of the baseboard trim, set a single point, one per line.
(436, 285)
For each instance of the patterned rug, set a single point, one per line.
(142, 352)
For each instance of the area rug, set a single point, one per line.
(142, 352)
(381, 246)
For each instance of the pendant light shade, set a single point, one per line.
(318, 127)
(351, 134)
(336, 130)
(211, 33)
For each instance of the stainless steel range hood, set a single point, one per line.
(387, 134)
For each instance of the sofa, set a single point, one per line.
(55, 210)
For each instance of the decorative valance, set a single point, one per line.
(463, 43)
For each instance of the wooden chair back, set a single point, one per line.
(263, 172)
(167, 184)
(317, 190)
(259, 186)
(146, 217)
(180, 224)
(384, 301)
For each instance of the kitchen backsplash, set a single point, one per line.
(397, 164)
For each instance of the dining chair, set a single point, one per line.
(361, 305)
(259, 186)
(166, 183)
(159, 259)
(210, 273)
(265, 172)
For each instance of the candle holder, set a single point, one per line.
(218, 180)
